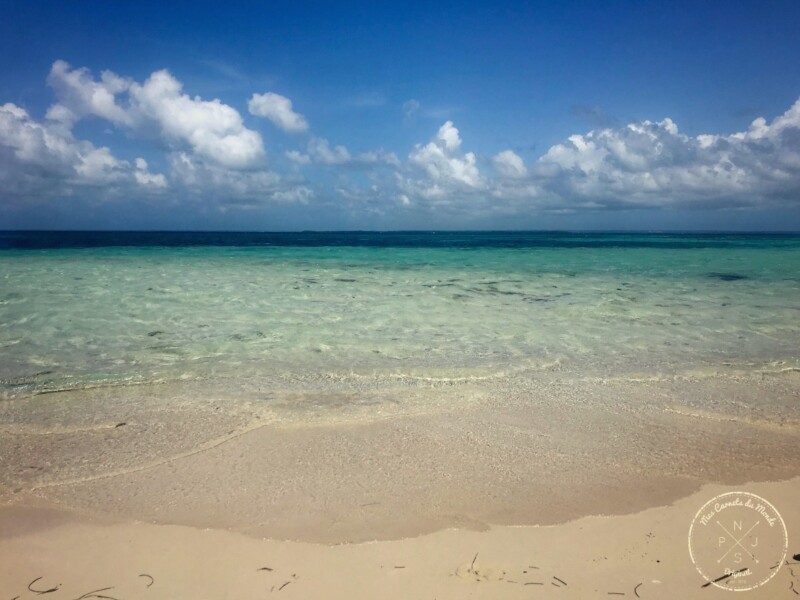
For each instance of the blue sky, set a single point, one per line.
(294, 115)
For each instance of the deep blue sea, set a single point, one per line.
(396, 239)
(90, 308)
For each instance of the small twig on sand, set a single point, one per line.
(561, 580)
(616, 593)
(264, 569)
(636, 590)
(533, 583)
(399, 567)
(97, 594)
(40, 592)
(722, 578)
(284, 585)
(472, 566)
(150, 577)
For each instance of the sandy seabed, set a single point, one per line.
(554, 486)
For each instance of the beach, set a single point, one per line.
(391, 432)
(634, 556)
(600, 495)
(399, 300)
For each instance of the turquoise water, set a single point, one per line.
(77, 310)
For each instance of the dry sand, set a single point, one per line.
(592, 557)
(100, 487)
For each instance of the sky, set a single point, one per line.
(278, 115)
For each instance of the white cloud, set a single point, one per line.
(145, 178)
(299, 194)
(439, 176)
(43, 158)
(646, 164)
(444, 163)
(277, 109)
(509, 164)
(31, 142)
(320, 150)
(99, 166)
(448, 134)
(298, 157)
(654, 164)
(214, 157)
(211, 129)
(226, 187)
(80, 95)
(378, 157)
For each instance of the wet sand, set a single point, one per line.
(198, 488)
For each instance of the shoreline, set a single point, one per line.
(340, 465)
(422, 491)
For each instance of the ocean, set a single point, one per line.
(94, 309)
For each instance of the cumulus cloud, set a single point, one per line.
(277, 109)
(211, 129)
(99, 166)
(32, 143)
(212, 156)
(440, 176)
(444, 163)
(644, 164)
(145, 178)
(81, 95)
(320, 150)
(654, 164)
(210, 152)
(509, 164)
(44, 158)
(233, 188)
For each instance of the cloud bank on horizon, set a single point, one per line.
(210, 153)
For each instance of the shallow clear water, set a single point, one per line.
(80, 309)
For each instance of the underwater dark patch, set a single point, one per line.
(727, 276)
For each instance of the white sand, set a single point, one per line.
(196, 493)
(644, 553)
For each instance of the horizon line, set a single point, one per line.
(430, 231)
